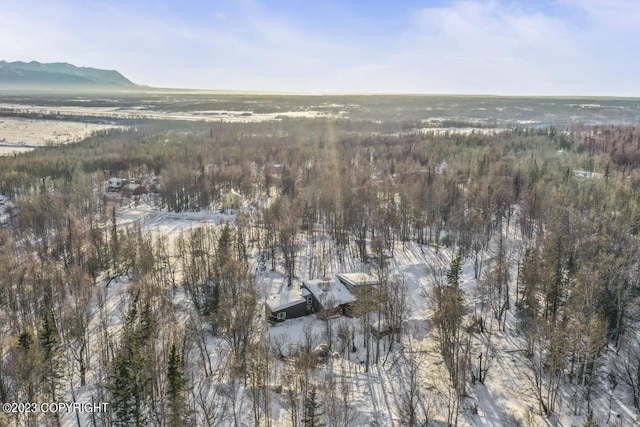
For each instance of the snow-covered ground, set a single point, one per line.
(375, 395)
(4, 204)
(507, 393)
(19, 135)
(137, 113)
(169, 224)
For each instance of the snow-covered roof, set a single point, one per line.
(115, 182)
(277, 302)
(331, 293)
(357, 279)
(233, 193)
(587, 174)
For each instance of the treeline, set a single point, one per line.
(571, 279)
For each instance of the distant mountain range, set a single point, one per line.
(59, 75)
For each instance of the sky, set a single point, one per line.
(493, 47)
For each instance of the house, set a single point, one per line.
(289, 305)
(114, 184)
(231, 201)
(330, 297)
(134, 189)
(325, 297)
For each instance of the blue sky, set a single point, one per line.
(502, 47)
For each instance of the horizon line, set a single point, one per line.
(262, 92)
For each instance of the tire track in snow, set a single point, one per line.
(514, 373)
(381, 383)
(374, 397)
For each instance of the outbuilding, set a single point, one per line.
(357, 280)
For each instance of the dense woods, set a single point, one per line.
(172, 332)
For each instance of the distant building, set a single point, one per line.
(232, 201)
(134, 189)
(114, 184)
(587, 174)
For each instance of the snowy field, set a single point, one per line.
(19, 135)
(225, 116)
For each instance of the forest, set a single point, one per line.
(506, 259)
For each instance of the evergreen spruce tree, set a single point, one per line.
(146, 329)
(312, 413)
(453, 275)
(176, 386)
(53, 369)
(225, 245)
(129, 380)
(26, 341)
(29, 366)
(122, 389)
(49, 337)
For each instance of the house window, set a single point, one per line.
(282, 315)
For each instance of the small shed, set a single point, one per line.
(330, 297)
(289, 305)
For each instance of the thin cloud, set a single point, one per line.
(500, 48)
(473, 46)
